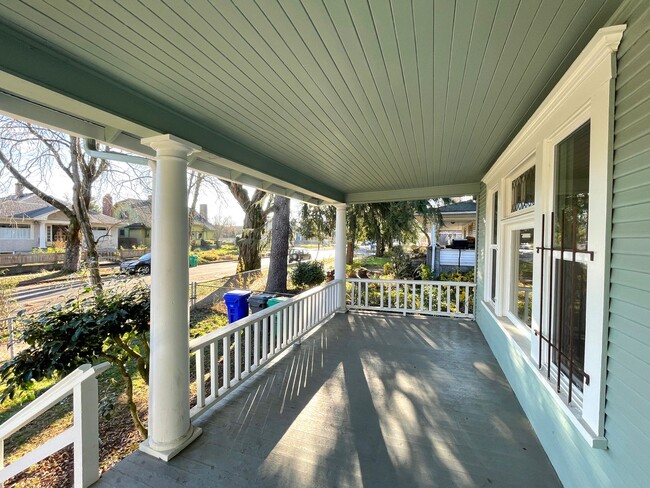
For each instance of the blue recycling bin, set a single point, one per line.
(237, 304)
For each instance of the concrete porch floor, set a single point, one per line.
(368, 400)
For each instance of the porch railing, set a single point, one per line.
(83, 435)
(225, 357)
(443, 298)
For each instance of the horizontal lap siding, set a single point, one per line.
(627, 427)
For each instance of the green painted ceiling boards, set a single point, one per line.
(338, 97)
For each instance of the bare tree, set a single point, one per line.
(280, 232)
(194, 180)
(31, 154)
(221, 222)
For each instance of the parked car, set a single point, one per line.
(142, 265)
(297, 254)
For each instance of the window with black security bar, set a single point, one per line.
(565, 259)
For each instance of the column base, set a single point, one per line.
(170, 452)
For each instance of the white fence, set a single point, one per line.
(443, 298)
(84, 433)
(225, 357)
(57, 258)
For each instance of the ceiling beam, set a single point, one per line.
(30, 60)
(423, 193)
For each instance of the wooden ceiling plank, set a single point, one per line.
(482, 28)
(442, 35)
(221, 64)
(297, 54)
(365, 28)
(457, 68)
(344, 82)
(506, 10)
(384, 16)
(363, 85)
(557, 40)
(423, 18)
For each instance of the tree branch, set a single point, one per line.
(43, 196)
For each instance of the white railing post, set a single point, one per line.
(83, 435)
(85, 400)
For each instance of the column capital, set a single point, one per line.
(170, 145)
(341, 206)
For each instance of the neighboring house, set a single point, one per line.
(28, 222)
(137, 214)
(459, 222)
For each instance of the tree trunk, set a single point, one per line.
(352, 237)
(277, 279)
(380, 247)
(349, 253)
(82, 179)
(250, 257)
(254, 219)
(72, 247)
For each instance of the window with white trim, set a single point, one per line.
(558, 210)
(15, 231)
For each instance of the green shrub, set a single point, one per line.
(113, 326)
(401, 263)
(308, 274)
(388, 269)
(425, 272)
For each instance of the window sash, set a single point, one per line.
(15, 231)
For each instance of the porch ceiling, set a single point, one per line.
(344, 99)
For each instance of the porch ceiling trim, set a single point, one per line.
(88, 96)
(422, 193)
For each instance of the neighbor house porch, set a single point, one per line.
(367, 399)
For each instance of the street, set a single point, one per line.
(35, 297)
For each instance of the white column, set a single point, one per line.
(434, 241)
(170, 430)
(42, 235)
(339, 254)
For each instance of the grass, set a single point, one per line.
(42, 277)
(226, 252)
(373, 262)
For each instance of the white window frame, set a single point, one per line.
(585, 93)
(19, 225)
(490, 246)
(528, 163)
(510, 251)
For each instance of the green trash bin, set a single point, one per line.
(194, 261)
(278, 316)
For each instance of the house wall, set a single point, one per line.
(627, 421)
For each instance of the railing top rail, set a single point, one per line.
(50, 398)
(207, 339)
(411, 282)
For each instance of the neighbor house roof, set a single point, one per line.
(468, 206)
(31, 207)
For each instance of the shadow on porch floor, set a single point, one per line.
(367, 400)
